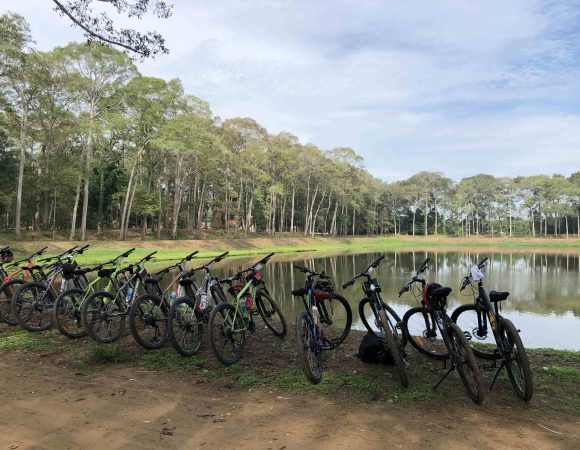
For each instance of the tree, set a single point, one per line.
(98, 26)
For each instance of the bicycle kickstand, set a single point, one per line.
(444, 376)
(501, 366)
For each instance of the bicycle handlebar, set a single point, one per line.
(149, 257)
(423, 266)
(481, 263)
(365, 272)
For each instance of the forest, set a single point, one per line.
(91, 147)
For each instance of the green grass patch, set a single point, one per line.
(168, 360)
(248, 380)
(565, 355)
(107, 354)
(25, 340)
(222, 371)
(564, 373)
(416, 395)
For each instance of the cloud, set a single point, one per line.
(455, 86)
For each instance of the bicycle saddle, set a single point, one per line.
(299, 292)
(185, 282)
(105, 272)
(495, 296)
(152, 280)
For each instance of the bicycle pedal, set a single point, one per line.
(468, 335)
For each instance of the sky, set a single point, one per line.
(459, 87)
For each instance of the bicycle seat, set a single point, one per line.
(68, 270)
(299, 292)
(185, 282)
(103, 273)
(495, 296)
(80, 272)
(441, 292)
(152, 280)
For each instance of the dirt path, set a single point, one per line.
(48, 405)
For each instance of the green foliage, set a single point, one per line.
(168, 360)
(24, 340)
(108, 354)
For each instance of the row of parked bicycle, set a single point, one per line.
(39, 293)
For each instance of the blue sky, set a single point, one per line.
(461, 87)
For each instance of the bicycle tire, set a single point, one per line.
(148, 315)
(28, 311)
(67, 314)
(96, 312)
(310, 356)
(234, 325)
(390, 312)
(7, 291)
(184, 318)
(394, 348)
(462, 316)
(333, 337)
(269, 309)
(464, 358)
(422, 343)
(513, 340)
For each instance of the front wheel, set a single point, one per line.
(309, 349)
(271, 313)
(335, 320)
(32, 307)
(185, 327)
(473, 321)
(464, 359)
(7, 291)
(367, 309)
(103, 317)
(423, 334)
(227, 333)
(148, 321)
(67, 314)
(517, 363)
(394, 346)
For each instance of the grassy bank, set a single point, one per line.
(102, 250)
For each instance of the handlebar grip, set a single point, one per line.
(482, 262)
(191, 255)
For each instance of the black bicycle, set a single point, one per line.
(503, 342)
(323, 324)
(386, 320)
(424, 324)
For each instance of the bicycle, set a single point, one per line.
(508, 348)
(386, 320)
(33, 301)
(318, 328)
(190, 312)
(432, 318)
(67, 307)
(229, 323)
(148, 316)
(11, 280)
(103, 313)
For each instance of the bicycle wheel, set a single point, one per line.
(217, 294)
(393, 345)
(32, 307)
(517, 363)
(7, 291)
(227, 333)
(271, 313)
(185, 327)
(310, 352)
(365, 312)
(466, 364)
(148, 321)
(423, 334)
(335, 320)
(482, 340)
(67, 314)
(103, 317)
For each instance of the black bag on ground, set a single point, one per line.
(371, 350)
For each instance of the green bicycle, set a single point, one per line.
(229, 323)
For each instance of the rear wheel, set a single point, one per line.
(466, 364)
(423, 333)
(335, 320)
(32, 307)
(67, 314)
(393, 345)
(7, 291)
(271, 313)
(185, 327)
(227, 333)
(103, 317)
(481, 337)
(148, 321)
(310, 351)
(517, 363)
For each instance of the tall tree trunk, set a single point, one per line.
(199, 212)
(426, 232)
(87, 174)
(126, 230)
(292, 213)
(414, 216)
(23, 141)
(353, 219)
(73, 225)
(436, 218)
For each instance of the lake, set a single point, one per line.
(545, 288)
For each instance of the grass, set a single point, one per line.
(168, 360)
(170, 250)
(108, 354)
(24, 340)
